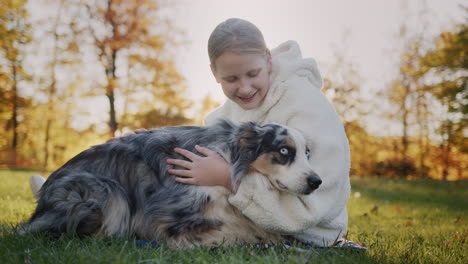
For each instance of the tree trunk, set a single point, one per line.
(111, 78)
(50, 110)
(446, 162)
(52, 91)
(46, 144)
(447, 147)
(112, 120)
(423, 139)
(110, 71)
(404, 139)
(14, 117)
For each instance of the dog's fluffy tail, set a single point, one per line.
(36, 182)
(82, 204)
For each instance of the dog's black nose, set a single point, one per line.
(314, 181)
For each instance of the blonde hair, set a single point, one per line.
(235, 35)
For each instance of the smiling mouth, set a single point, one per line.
(248, 99)
(282, 186)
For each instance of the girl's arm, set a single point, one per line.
(208, 170)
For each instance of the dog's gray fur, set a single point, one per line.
(122, 188)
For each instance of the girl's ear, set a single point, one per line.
(213, 71)
(269, 63)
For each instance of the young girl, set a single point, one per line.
(275, 87)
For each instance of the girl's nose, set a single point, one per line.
(245, 87)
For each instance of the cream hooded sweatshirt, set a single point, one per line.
(294, 99)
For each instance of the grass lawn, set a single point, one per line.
(421, 221)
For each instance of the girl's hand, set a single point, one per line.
(127, 134)
(208, 170)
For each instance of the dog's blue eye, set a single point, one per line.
(307, 153)
(284, 151)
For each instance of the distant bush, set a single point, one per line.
(394, 168)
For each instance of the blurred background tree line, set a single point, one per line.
(120, 49)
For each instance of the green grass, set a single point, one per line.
(400, 221)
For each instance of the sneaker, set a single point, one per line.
(343, 243)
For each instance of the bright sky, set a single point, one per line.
(317, 25)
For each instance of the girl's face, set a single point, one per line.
(244, 77)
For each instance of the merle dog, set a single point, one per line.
(122, 188)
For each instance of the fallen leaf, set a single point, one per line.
(396, 208)
(446, 243)
(408, 223)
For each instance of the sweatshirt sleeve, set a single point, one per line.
(272, 210)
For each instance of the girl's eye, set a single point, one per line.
(231, 80)
(284, 151)
(307, 153)
(253, 74)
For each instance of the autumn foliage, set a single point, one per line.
(118, 56)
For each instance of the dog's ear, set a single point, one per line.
(267, 135)
(251, 140)
(248, 133)
(253, 137)
(243, 150)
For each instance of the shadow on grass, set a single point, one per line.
(72, 249)
(426, 193)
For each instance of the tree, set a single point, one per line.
(342, 85)
(14, 34)
(52, 57)
(52, 87)
(128, 47)
(131, 31)
(402, 90)
(445, 69)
